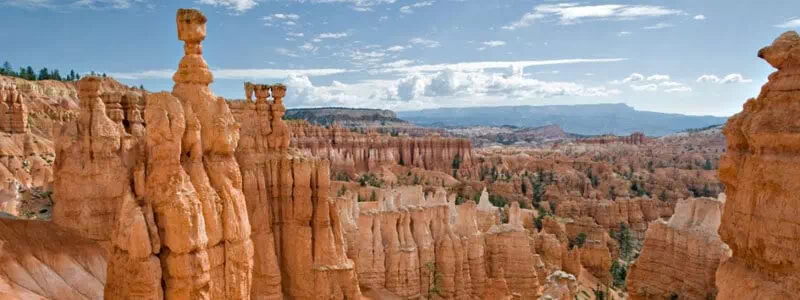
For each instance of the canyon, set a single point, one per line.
(119, 193)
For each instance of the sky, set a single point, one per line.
(680, 56)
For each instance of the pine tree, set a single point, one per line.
(44, 74)
(7, 69)
(55, 75)
(71, 75)
(30, 74)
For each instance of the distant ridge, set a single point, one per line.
(584, 119)
(345, 116)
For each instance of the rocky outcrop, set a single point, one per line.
(352, 151)
(506, 246)
(298, 236)
(758, 169)
(41, 260)
(681, 257)
(635, 213)
(13, 111)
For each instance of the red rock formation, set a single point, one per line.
(760, 218)
(508, 247)
(681, 257)
(353, 152)
(41, 260)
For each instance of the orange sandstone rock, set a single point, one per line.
(759, 171)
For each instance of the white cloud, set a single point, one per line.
(794, 23)
(424, 42)
(239, 6)
(308, 47)
(31, 4)
(624, 33)
(658, 77)
(636, 77)
(680, 89)
(79, 4)
(652, 87)
(573, 13)
(700, 17)
(286, 52)
(408, 9)
(295, 34)
(396, 48)
(658, 26)
(652, 83)
(451, 83)
(493, 44)
(730, 78)
(486, 65)
(332, 35)
(232, 73)
(398, 63)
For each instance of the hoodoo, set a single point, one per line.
(760, 174)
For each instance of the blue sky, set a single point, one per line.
(683, 56)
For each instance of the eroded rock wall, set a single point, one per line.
(759, 222)
(352, 151)
(681, 257)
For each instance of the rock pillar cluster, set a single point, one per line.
(760, 222)
(300, 249)
(681, 257)
(13, 112)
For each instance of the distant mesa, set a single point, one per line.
(585, 119)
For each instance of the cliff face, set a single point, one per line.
(41, 260)
(352, 152)
(760, 218)
(681, 257)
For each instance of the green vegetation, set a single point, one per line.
(44, 74)
(538, 220)
(435, 286)
(628, 246)
(371, 180)
(579, 241)
(341, 191)
(707, 165)
(497, 200)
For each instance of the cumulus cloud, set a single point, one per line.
(452, 83)
(700, 17)
(730, 78)
(636, 77)
(624, 33)
(794, 23)
(238, 6)
(573, 13)
(424, 42)
(652, 83)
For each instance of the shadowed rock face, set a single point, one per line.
(681, 256)
(760, 174)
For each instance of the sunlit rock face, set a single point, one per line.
(681, 256)
(759, 171)
(352, 152)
